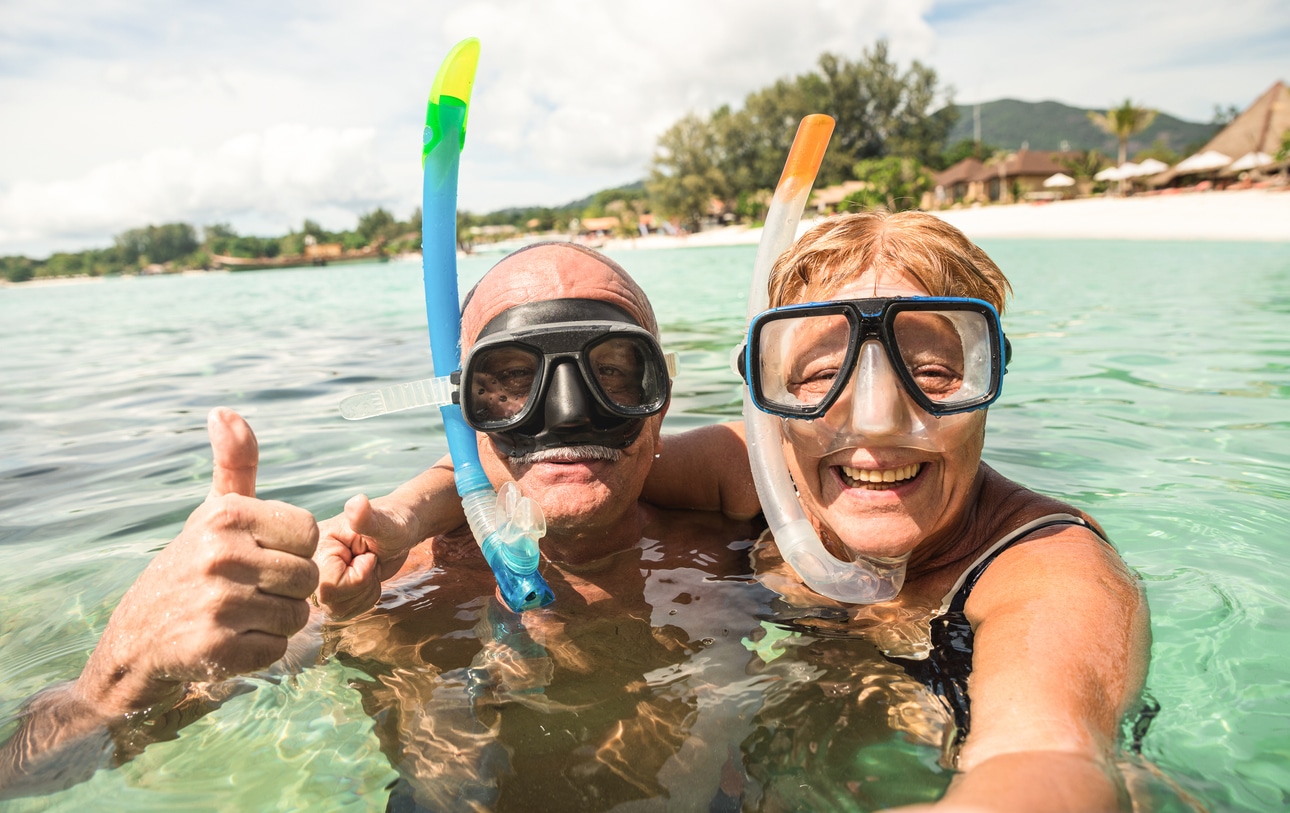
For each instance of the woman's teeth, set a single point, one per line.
(878, 477)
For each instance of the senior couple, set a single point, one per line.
(1038, 632)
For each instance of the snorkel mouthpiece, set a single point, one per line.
(867, 580)
(506, 526)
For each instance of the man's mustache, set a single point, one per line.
(567, 454)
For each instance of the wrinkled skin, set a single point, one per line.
(231, 587)
(221, 599)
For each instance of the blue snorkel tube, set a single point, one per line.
(507, 527)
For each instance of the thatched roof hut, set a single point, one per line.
(1258, 129)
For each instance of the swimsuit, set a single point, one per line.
(946, 667)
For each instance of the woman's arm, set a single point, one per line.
(704, 469)
(1062, 642)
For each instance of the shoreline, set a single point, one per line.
(1245, 215)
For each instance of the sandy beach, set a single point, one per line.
(1250, 214)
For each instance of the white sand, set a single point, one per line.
(1251, 214)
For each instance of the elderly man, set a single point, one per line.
(584, 464)
(578, 430)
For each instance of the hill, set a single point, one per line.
(1010, 124)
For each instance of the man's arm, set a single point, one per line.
(369, 541)
(220, 600)
(704, 469)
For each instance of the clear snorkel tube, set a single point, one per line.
(867, 580)
(508, 526)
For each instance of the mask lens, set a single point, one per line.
(502, 380)
(800, 358)
(946, 353)
(626, 372)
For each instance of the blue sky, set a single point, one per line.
(118, 113)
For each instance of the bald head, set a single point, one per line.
(553, 271)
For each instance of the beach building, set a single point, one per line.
(599, 226)
(953, 184)
(1007, 179)
(1249, 144)
(826, 200)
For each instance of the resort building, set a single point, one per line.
(1006, 179)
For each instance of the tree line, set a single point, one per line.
(182, 246)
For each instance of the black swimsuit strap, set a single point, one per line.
(948, 664)
(1020, 535)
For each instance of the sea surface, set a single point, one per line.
(1150, 385)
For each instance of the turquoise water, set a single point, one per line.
(1149, 386)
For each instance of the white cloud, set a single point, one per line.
(1181, 57)
(255, 179)
(115, 109)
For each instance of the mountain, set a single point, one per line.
(1011, 124)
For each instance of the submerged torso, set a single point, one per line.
(620, 691)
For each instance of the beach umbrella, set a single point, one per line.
(1108, 174)
(1150, 167)
(1203, 162)
(1060, 179)
(1251, 160)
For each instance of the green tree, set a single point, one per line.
(879, 110)
(377, 224)
(312, 229)
(1224, 116)
(1283, 153)
(218, 238)
(1082, 166)
(967, 148)
(685, 177)
(1160, 151)
(891, 183)
(1123, 122)
(17, 269)
(255, 247)
(157, 244)
(883, 111)
(755, 140)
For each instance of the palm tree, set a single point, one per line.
(1124, 122)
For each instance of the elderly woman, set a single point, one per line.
(880, 352)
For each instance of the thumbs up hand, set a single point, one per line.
(357, 550)
(221, 599)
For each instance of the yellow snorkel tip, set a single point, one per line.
(452, 87)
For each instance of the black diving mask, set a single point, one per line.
(564, 372)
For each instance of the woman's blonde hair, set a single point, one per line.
(921, 246)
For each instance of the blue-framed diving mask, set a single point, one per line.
(911, 363)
